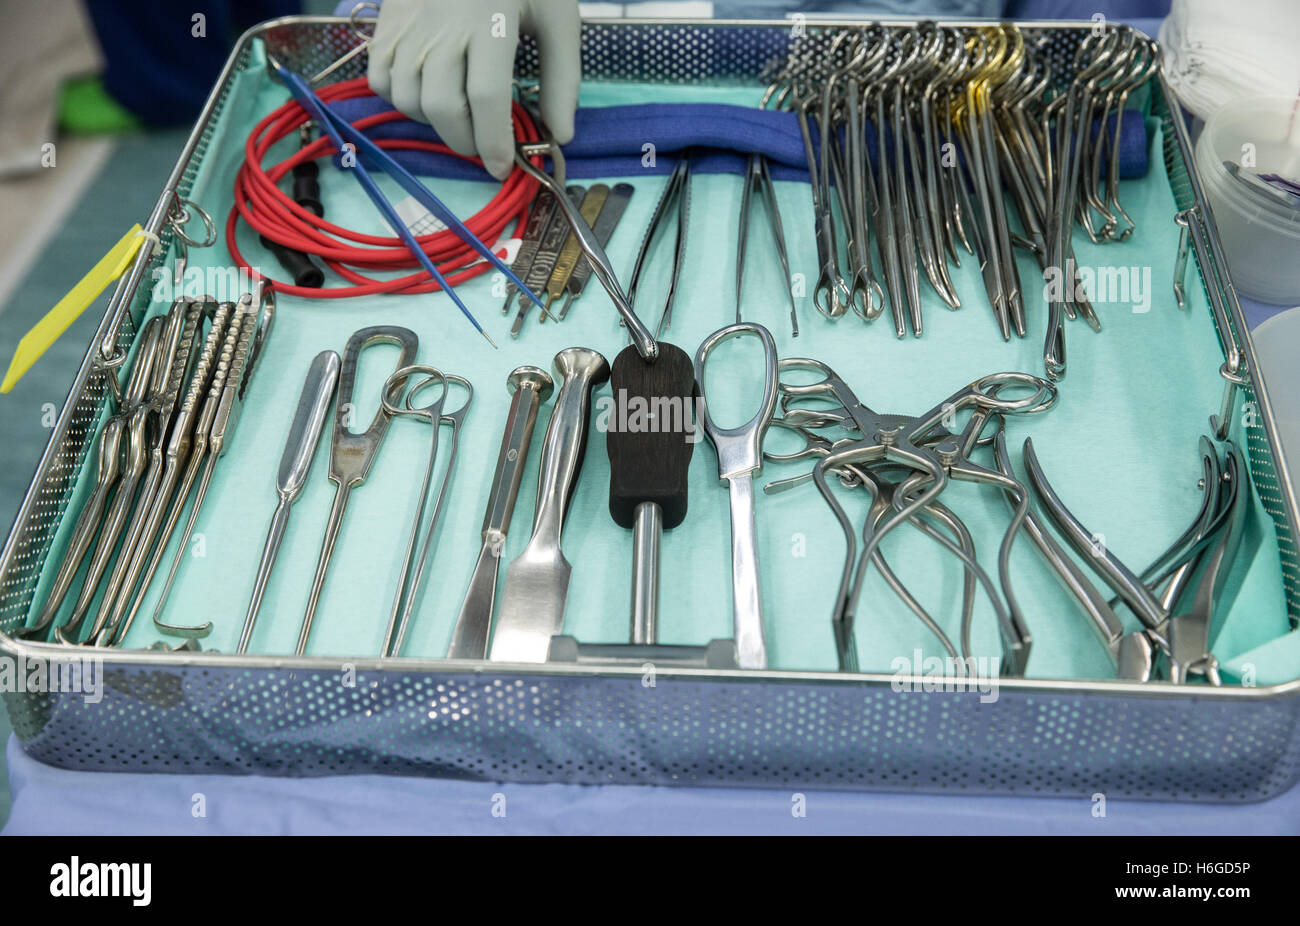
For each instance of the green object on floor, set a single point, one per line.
(86, 108)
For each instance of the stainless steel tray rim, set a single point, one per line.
(1164, 690)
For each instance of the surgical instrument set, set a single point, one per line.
(921, 141)
(239, 359)
(905, 463)
(960, 118)
(169, 439)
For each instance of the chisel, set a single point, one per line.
(530, 387)
(537, 582)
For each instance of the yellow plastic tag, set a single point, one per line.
(68, 309)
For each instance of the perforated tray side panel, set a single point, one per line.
(680, 731)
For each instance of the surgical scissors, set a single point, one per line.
(408, 587)
(740, 459)
(352, 455)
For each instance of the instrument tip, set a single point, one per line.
(488, 338)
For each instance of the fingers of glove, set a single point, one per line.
(442, 98)
(392, 25)
(488, 90)
(407, 77)
(559, 44)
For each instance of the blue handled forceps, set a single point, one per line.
(342, 134)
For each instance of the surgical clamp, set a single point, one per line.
(352, 454)
(129, 422)
(408, 587)
(925, 445)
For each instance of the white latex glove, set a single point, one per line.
(451, 62)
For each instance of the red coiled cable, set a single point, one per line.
(270, 212)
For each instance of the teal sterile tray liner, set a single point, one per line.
(1120, 445)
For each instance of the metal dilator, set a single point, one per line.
(649, 457)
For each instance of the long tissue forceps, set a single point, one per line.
(758, 176)
(352, 455)
(740, 459)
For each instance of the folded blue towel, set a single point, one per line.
(613, 141)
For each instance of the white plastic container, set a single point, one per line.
(1277, 345)
(1260, 234)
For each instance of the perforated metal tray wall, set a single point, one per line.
(802, 734)
(192, 712)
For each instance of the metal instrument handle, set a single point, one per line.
(580, 370)
(528, 397)
(740, 449)
(308, 420)
(352, 454)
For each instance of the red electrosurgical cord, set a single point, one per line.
(270, 212)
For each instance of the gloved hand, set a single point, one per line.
(450, 63)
